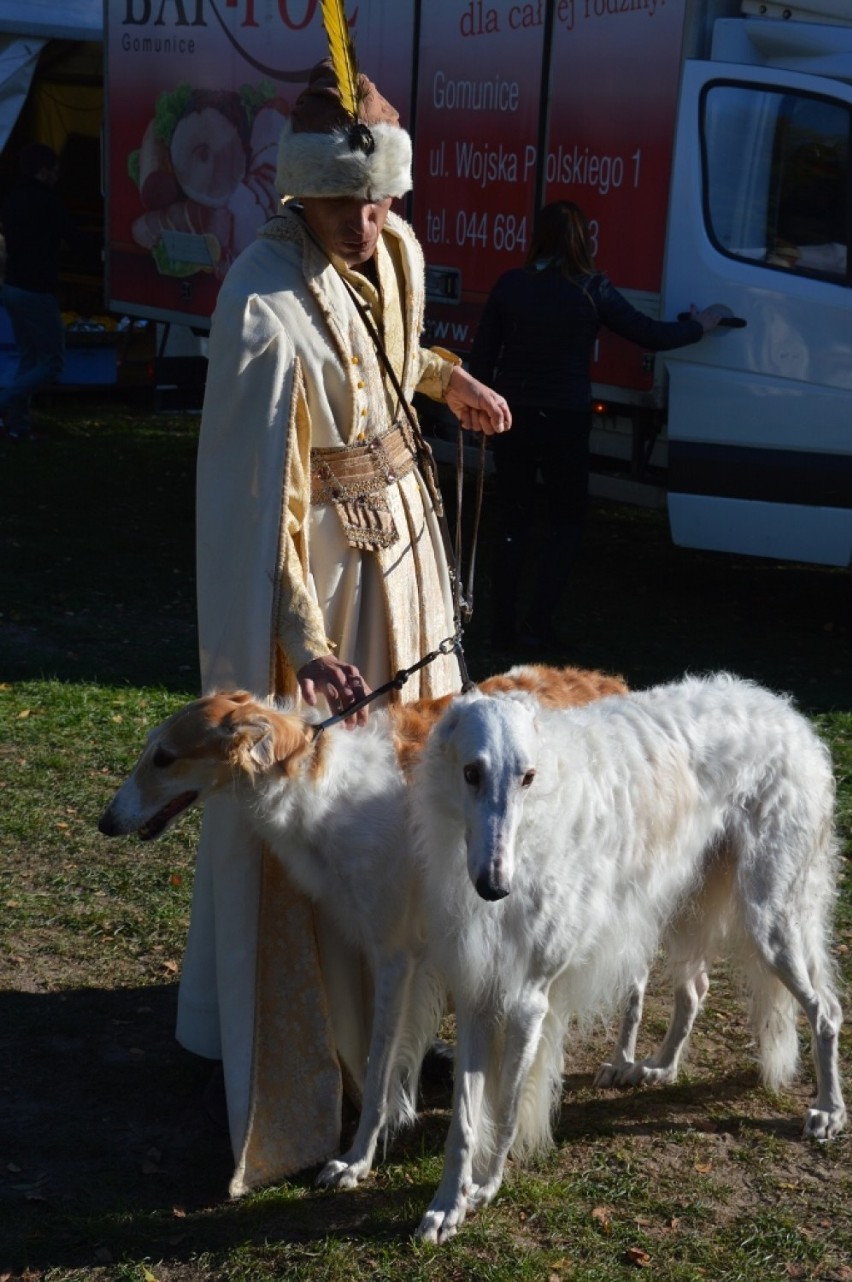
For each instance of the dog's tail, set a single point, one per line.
(773, 1011)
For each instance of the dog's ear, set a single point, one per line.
(251, 744)
(260, 742)
(526, 699)
(446, 726)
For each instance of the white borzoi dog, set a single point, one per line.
(333, 808)
(559, 848)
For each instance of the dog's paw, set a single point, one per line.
(442, 1222)
(340, 1174)
(609, 1075)
(822, 1124)
(482, 1194)
(648, 1073)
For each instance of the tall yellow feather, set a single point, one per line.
(342, 52)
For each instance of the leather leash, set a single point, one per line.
(450, 645)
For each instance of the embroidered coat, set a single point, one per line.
(266, 985)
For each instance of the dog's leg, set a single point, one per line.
(392, 985)
(448, 1208)
(624, 1056)
(662, 1066)
(827, 1115)
(523, 1026)
(807, 983)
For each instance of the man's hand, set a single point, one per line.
(708, 318)
(340, 683)
(476, 406)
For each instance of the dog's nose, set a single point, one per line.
(106, 825)
(486, 889)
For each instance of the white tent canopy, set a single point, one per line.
(53, 19)
(18, 58)
(25, 25)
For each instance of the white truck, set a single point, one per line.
(707, 140)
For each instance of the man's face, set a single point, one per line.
(346, 225)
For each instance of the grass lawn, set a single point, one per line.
(113, 1162)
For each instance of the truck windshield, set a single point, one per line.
(777, 179)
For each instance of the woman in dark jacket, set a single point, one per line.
(534, 345)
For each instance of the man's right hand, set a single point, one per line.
(340, 683)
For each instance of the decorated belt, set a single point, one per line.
(354, 478)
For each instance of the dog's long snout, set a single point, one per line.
(108, 825)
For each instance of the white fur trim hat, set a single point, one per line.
(323, 152)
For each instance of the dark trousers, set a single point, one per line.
(40, 339)
(555, 445)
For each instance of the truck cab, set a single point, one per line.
(760, 221)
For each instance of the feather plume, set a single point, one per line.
(342, 52)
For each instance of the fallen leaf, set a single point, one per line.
(703, 1168)
(602, 1218)
(635, 1255)
(23, 714)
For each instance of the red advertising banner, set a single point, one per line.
(478, 102)
(197, 92)
(615, 71)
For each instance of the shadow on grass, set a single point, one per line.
(97, 573)
(113, 1147)
(97, 579)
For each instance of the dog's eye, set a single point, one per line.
(527, 779)
(161, 759)
(472, 776)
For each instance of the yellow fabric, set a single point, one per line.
(60, 110)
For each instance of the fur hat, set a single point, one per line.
(322, 152)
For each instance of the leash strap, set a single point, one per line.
(464, 604)
(450, 645)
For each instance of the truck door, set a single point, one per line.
(760, 417)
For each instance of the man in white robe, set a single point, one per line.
(302, 592)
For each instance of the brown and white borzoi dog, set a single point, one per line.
(345, 794)
(559, 847)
